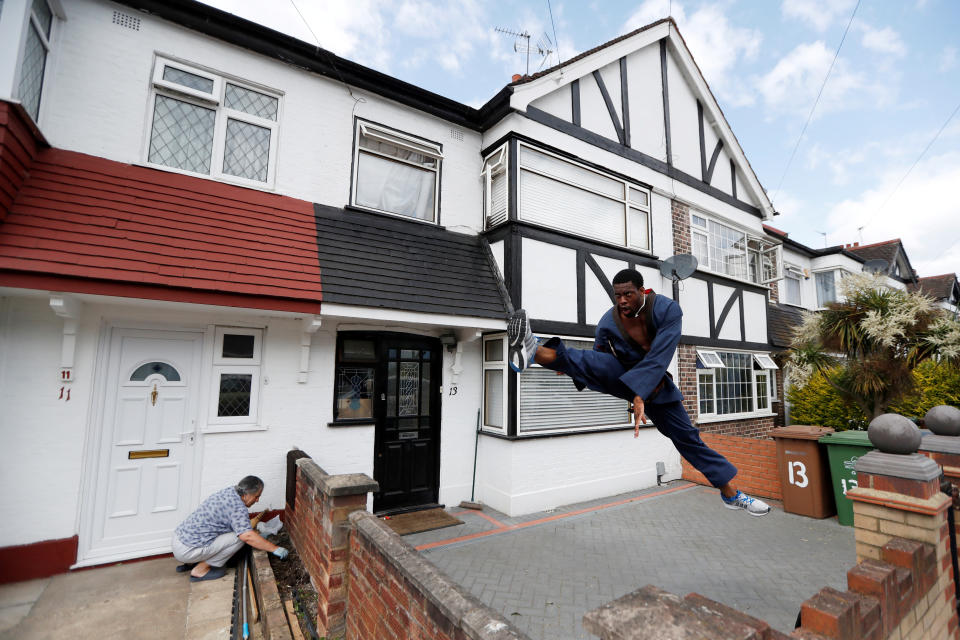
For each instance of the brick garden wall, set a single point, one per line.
(754, 458)
(371, 585)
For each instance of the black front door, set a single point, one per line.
(406, 411)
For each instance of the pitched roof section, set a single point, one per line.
(79, 217)
(937, 287)
(886, 250)
(374, 260)
(782, 319)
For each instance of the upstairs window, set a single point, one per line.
(570, 197)
(396, 173)
(792, 278)
(726, 250)
(33, 64)
(494, 177)
(826, 287)
(208, 124)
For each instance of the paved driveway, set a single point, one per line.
(544, 571)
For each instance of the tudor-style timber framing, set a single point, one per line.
(666, 104)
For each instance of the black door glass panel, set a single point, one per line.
(410, 354)
(425, 390)
(238, 345)
(392, 354)
(391, 389)
(145, 370)
(362, 350)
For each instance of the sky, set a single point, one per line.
(864, 170)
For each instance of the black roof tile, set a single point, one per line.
(374, 260)
(782, 319)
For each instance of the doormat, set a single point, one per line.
(416, 521)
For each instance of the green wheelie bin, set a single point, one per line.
(843, 450)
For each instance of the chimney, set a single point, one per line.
(856, 244)
(516, 77)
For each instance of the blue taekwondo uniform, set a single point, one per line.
(616, 368)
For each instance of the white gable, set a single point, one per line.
(588, 94)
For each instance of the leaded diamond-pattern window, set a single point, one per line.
(247, 151)
(234, 395)
(204, 123)
(182, 135)
(252, 102)
(36, 46)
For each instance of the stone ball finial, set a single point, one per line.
(892, 433)
(943, 420)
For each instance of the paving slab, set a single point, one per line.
(130, 600)
(544, 571)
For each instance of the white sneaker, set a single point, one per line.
(521, 342)
(753, 506)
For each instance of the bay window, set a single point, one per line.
(495, 188)
(732, 383)
(729, 251)
(395, 172)
(826, 287)
(33, 64)
(792, 278)
(570, 197)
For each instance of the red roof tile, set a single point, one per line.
(79, 216)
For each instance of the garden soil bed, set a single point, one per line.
(294, 584)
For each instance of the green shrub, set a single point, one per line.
(818, 403)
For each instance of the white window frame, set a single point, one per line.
(792, 272)
(393, 136)
(605, 427)
(493, 165)
(214, 100)
(244, 366)
(218, 358)
(765, 361)
(494, 365)
(710, 359)
(838, 274)
(624, 199)
(33, 22)
(723, 417)
(767, 250)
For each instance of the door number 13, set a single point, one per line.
(798, 473)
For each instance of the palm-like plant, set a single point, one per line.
(867, 345)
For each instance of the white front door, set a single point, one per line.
(147, 443)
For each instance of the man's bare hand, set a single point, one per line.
(638, 416)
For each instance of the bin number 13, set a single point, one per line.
(798, 473)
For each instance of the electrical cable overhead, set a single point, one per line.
(555, 41)
(915, 162)
(303, 19)
(815, 102)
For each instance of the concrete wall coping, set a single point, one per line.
(477, 620)
(940, 444)
(346, 484)
(913, 466)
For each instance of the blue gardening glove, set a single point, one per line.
(281, 553)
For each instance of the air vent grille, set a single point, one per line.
(126, 20)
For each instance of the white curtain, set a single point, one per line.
(395, 187)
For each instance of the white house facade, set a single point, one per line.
(218, 242)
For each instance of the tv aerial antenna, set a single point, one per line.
(542, 46)
(677, 268)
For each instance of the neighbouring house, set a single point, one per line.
(218, 241)
(945, 290)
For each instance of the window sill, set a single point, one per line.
(392, 216)
(559, 433)
(359, 423)
(733, 416)
(231, 428)
(240, 182)
(734, 278)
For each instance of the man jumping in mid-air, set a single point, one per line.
(635, 341)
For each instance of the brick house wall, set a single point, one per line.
(680, 214)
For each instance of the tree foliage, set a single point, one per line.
(867, 346)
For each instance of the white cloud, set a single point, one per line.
(793, 83)
(819, 14)
(716, 45)
(922, 213)
(884, 41)
(948, 59)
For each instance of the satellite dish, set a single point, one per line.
(678, 267)
(878, 265)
